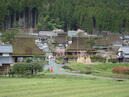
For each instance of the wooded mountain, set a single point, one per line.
(90, 15)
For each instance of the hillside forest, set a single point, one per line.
(93, 16)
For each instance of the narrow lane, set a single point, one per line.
(57, 68)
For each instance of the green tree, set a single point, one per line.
(90, 15)
(9, 36)
(25, 68)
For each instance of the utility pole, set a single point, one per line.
(77, 44)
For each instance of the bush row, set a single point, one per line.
(24, 69)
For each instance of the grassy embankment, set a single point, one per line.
(102, 69)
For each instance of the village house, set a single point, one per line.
(123, 53)
(59, 43)
(6, 58)
(72, 44)
(25, 48)
(78, 46)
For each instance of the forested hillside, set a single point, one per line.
(90, 15)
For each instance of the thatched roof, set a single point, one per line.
(25, 47)
(60, 39)
(108, 40)
(78, 44)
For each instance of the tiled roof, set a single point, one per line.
(125, 49)
(108, 40)
(47, 33)
(6, 49)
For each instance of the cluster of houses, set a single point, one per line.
(72, 43)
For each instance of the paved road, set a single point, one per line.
(57, 69)
(91, 76)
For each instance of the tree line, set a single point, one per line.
(94, 16)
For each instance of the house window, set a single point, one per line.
(20, 59)
(5, 55)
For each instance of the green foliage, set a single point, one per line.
(38, 57)
(109, 66)
(29, 60)
(9, 36)
(3, 74)
(90, 15)
(97, 58)
(48, 23)
(60, 57)
(30, 68)
(101, 69)
(82, 68)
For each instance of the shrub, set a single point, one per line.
(97, 58)
(3, 73)
(121, 70)
(67, 56)
(71, 57)
(60, 57)
(114, 60)
(87, 71)
(67, 67)
(25, 69)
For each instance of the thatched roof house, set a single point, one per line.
(25, 47)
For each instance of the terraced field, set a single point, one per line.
(40, 87)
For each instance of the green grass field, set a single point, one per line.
(62, 87)
(99, 69)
